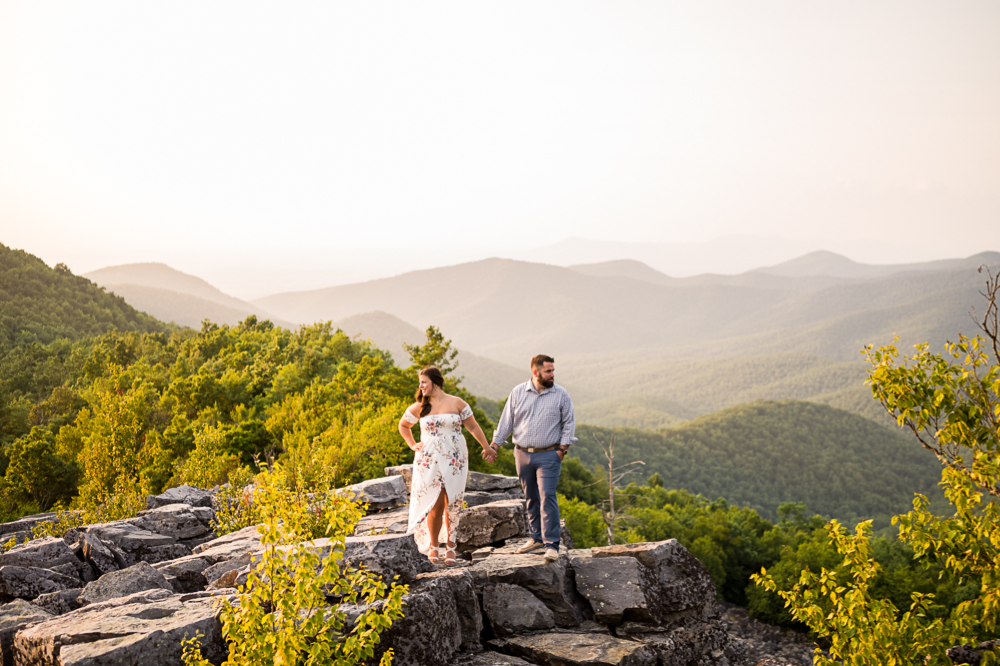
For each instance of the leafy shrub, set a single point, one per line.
(289, 611)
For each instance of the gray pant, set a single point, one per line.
(539, 474)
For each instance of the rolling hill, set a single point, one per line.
(579, 314)
(41, 304)
(170, 295)
(639, 348)
(766, 453)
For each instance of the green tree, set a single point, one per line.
(951, 403)
(38, 473)
(435, 351)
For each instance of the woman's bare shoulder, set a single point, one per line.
(414, 408)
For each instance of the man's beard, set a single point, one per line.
(546, 383)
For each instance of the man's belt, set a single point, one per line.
(531, 450)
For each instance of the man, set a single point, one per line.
(539, 414)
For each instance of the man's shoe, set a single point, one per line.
(551, 554)
(529, 546)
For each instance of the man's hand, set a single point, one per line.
(562, 451)
(489, 454)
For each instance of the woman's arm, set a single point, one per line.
(472, 425)
(406, 432)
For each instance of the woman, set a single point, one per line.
(441, 465)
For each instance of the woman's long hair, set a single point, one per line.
(433, 374)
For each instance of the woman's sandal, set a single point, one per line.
(434, 555)
(449, 556)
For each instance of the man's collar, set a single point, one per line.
(531, 387)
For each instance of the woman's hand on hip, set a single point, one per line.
(417, 447)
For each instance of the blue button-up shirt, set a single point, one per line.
(537, 419)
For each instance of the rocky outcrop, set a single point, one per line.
(131, 590)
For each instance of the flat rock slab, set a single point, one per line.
(561, 649)
(13, 617)
(46, 553)
(177, 521)
(145, 628)
(182, 495)
(673, 579)
(137, 544)
(117, 584)
(487, 524)
(393, 521)
(25, 523)
(28, 583)
(387, 555)
(228, 546)
(59, 603)
(491, 482)
(387, 492)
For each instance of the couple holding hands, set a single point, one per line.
(539, 415)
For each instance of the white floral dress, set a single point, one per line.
(442, 462)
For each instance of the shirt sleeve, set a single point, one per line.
(410, 418)
(568, 421)
(506, 424)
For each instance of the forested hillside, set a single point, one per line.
(42, 304)
(763, 454)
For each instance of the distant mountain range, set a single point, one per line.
(173, 296)
(634, 346)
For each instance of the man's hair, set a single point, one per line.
(541, 359)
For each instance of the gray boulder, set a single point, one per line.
(13, 617)
(218, 570)
(137, 544)
(387, 492)
(185, 574)
(394, 521)
(477, 481)
(28, 583)
(672, 578)
(387, 555)
(612, 585)
(101, 557)
(136, 578)
(59, 603)
(551, 583)
(230, 545)
(144, 628)
(512, 610)
(563, 649)
(182, 495)
(463, 591)
(174, 520)
(486, 524)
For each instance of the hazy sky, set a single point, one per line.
(316, 139)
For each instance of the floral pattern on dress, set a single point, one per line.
(441, 464)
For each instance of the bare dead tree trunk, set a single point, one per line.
(615, 474)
